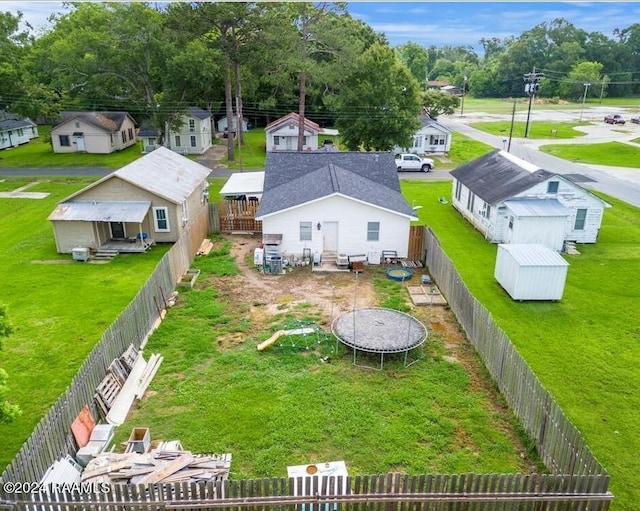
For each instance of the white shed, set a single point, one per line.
(530, 271)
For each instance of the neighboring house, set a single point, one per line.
(151, 199)
(512, 201)
(334, 203)
(282, 134)
(149, 138)
(223, 124)
(452, 89)
(436, 84)
(194, 135)
(15, 131)
(431, 138)
(93, 132)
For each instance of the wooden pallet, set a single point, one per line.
(426, 295)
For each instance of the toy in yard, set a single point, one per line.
(300, 334)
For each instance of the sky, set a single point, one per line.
(441, 23)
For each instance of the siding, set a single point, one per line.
(352, 218)
(96, 140)
(289, 139)
(70, 235)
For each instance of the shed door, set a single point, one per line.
(330, 236)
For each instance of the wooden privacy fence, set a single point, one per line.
(416, 242)
(390, 492)
(234, 215)
(52, 438)
(558, 441)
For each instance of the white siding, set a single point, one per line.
(70, 235)
(288, 138)
(424, 145)
(474, 215)
(201, 132)
(530, 272)
(547, 231)
(352, 218)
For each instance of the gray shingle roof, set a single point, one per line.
(12, 124)
(496, 176)
(294, 178)
(199, 113)
(111, 122)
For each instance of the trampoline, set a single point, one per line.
(380, 331)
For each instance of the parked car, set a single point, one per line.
(413, 162)
(614, 119)
(635, 120)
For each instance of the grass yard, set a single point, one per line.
(252, 154)
(59, 311)
(505, 105)
(536, 129)
(610, 153)
(463, 149)
(585, 348)
(38, 153)
(285, 406)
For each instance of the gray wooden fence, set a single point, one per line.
(577, 481)
(558, 441)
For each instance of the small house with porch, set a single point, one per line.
(194, 134)
(511, 200)
(93, 132)
(431, 138)
(152, 199)
(334, 204)
(282, 134)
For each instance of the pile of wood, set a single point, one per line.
(112, 383)
(205, 247)
(157, 466)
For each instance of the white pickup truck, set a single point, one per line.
(413, 162)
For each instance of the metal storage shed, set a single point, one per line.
(530, 271)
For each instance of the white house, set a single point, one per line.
(223, 124)
(431, 138)
(333, 203)
(512, 201)
(282, 134)
(194, 134)
(15, 131)
(93, 132)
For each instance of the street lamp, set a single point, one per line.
(464, 88)
(584, 98)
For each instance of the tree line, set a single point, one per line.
(262, 60)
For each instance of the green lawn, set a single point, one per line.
(38, 153)
(505, 106)
(59, 311)
(285, 406)
(536, 129)
(611, 153)
(585, 348)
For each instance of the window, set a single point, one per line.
(161, 219)
(124, 135)
(192, 125)
(487, 213)
(178, 141)
(373, 231)
(185, 213)
(276, 140)
(111, 138)
(437, 140)
(20, 132)
(64, 141)
(510, 222)
(130, 133)
(581, 218)
(152, 141)
(193, 140)
(305, 231)
(77, 124)
(470, 201)
(552, 187)
(417, 141)
(458, 191)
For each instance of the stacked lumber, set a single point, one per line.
(111, 385)
(205, 247)
(157, 466)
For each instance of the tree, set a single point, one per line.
(13, 46)
(8, 411)
(438, 103)
(379, 106)
(584, 72)
(416, 58)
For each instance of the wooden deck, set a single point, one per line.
(127, 246)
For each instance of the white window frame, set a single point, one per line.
(458, 192)
(276, 140)
(178, 141)
(192, 124)
(185, 212)
(583, 220)
(157, 219)
(193, 140)
(373, 231)
(557, 187)
(306, 231)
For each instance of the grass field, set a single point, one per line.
(536, 129)
(611, 153)
(38, 153)
(59, 311)
(505, 106)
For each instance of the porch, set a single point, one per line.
(127, 245)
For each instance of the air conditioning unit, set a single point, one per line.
(80, 254)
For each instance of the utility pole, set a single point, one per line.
(584, 98)
(513, 116)
(464, 89)
(530, 88)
